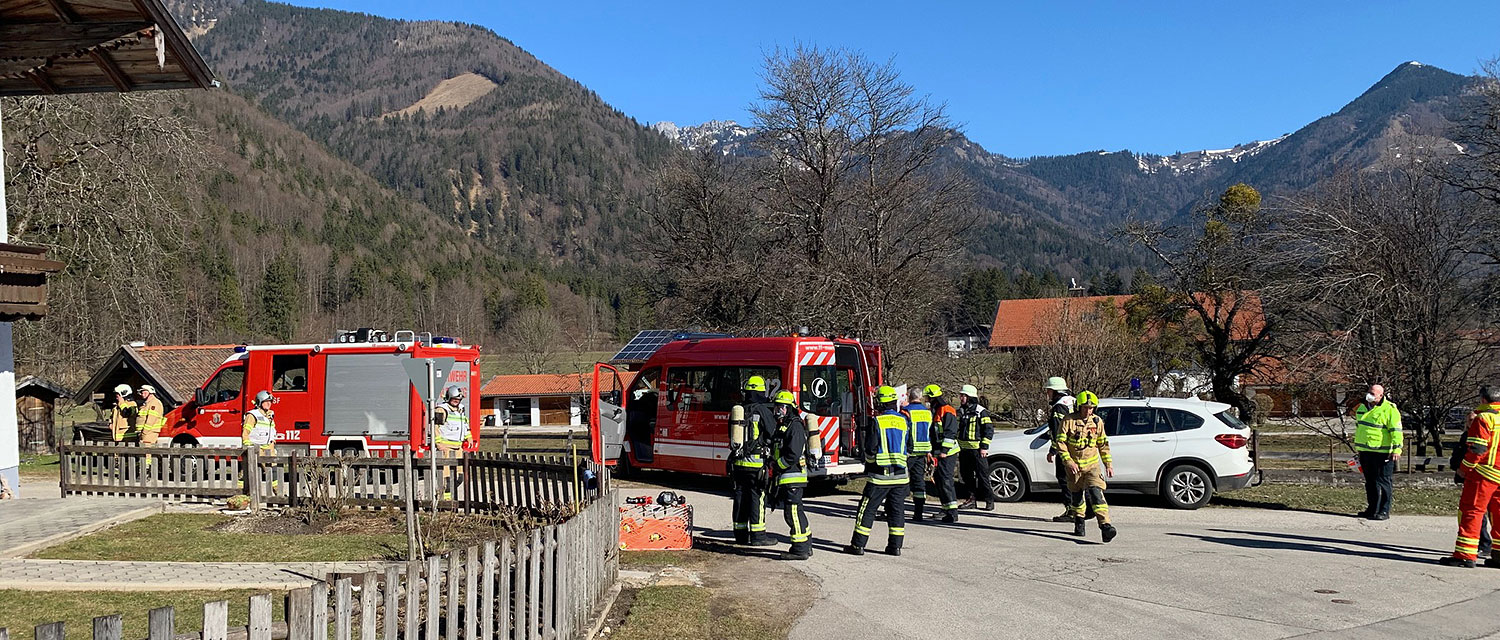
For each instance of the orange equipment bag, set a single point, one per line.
(645, 526)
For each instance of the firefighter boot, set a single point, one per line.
(917, 515)
(1078, 525)
(1492, 562)
(799, 551)
(1067, 516)
(950, 516)
(1452, 561)
(741, 536)
(761, 539)
(1107, 532)
(853, 550)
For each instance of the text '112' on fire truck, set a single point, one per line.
(351, 396)
(664, 401)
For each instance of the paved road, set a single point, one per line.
(91, 575)
(1221, 573)
(35, 521)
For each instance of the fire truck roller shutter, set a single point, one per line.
(366, 395)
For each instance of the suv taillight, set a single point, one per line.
(1231, 440)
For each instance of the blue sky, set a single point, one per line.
(1022, 78)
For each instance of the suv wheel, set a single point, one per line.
(1007, 481)
(1186, 487)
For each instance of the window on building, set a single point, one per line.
(289, 372)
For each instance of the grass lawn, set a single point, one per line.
(21, 611)
(34, 466)
(187, 537)
(671, 613)
(1426, 501)
(742, 598)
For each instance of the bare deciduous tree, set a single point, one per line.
(535, 337)
(1088, 344)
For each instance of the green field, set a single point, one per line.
(191, 537)
(21, 611)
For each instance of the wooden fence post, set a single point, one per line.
(434, 595)
(320, 611)
(252, 476)
(163, 623)
(215, 620)
(471, 600)
(452, 620)
(298, 614)
(49, 631)
(413, 590)
(487, 594)
(260, 617)
(391, 591)
(291, 480)
(368, 590)
(341, 609)
(107, 627)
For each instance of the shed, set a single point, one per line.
(175, 371)
(36, 408)
(547, 399)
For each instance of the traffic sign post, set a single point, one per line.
(424, 374)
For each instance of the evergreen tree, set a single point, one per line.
(1140, 281)
(279, 299)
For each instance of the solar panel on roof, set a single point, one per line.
(643, 345)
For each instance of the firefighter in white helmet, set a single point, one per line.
(260, 425)
(452, 434)
(151, 419)
(122, 419)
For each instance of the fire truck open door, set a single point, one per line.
(607, 415)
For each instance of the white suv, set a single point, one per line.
(1181, 449)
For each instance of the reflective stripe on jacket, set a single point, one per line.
(151, 418)
(1482, 441)
(455, 427)
(1378, 429)
(1083, 440)
(976, 427)
(947, 428)
(260, 430)
(788, 447)
(887, 465)
(759, 423)
(921, 427)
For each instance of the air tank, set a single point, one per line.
(736, 427)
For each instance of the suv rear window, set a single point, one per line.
(1176, 420)
(1228, 418)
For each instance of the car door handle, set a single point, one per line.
(1158, 439)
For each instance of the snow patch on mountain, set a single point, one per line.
(725, 135)
(1192, 161)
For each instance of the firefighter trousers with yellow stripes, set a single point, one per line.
(943, 471)
(1087, 486)
(1481, 496)
(796, 518)
(749, 503)
(893, 498)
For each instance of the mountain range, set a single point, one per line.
(412, 170)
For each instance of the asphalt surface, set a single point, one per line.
(1212, 573)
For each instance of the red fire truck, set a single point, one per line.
(350, 396)
(674, 413)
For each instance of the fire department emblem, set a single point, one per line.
(216, 420)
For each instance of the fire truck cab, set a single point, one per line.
(350, 396)
(673, 412)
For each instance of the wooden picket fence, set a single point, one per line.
(545, 584)
(475, 482)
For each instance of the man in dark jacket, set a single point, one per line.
(789, 464)
(975, 430)
(748, 467)
(1060, 399)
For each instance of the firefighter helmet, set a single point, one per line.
(785, 397)
(885, 394)
(264, 396)
(122, 389)
(755, 383)
(969, 390)
(1056, 383)
(453, 392)
(932, 391)
(1087, 398)
(147, 389)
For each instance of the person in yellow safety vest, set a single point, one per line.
(151, 418)
(788, 457)
(921, 448)
(1480, 469)
(885, 476)
(1061, 401)
(747, 468)
(123, 418)
(975, 430)
(945, 449)
(1085, 452)
(260, 425)
(452, 432)
(1377, 440)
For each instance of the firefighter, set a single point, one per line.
(1481, 473)
(788, 455)
(260, 425)
(452, 433)
(1061, 401)
(1377, 439)
(885, 476)
(921, 450)
(975, 429)
(748, 467)
(945, 451)
(124, 416)
(1085, 452)
(151, 418)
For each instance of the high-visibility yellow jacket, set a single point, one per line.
(885, 462)
(1083, 440)
(260, 429)
(123, 418)
(1481, 442)
(1378, 429)
(455, 428)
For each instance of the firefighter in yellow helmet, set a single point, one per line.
(789, 466)
(123, 418)
(945, 450)
(1084, 451)
(885, 475)
(748, 467)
